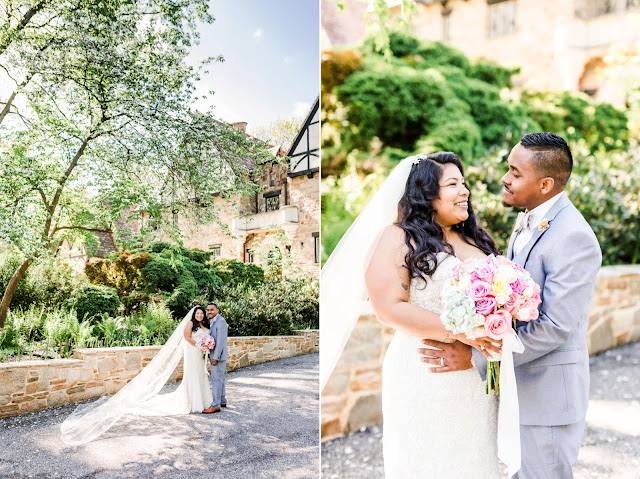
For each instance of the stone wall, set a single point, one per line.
(351, 398)
(31, 386)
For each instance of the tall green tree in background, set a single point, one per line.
(99, 124)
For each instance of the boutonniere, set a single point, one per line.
(544, 224)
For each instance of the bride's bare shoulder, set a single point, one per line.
(393, 234)
(392, 241)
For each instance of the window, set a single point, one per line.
(273, 203)
(502, 17)
(248, 256)
(272, 200)
(216, 250)
(446, 25)
(316, 246)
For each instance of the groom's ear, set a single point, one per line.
(546, 185)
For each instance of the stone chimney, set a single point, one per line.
(240, 125)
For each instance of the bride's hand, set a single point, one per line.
(485, 345)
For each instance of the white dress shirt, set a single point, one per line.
(537, 215)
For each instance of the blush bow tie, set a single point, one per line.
(524, 222)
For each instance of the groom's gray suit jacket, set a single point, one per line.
(218, 331)
(552, 373)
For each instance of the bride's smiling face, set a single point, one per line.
(452, 206)
(199, 315)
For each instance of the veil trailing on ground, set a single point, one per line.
(89, 421)
(342, 288)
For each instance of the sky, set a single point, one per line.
(272, 59)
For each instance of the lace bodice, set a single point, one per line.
(199, 334)
(429, 296)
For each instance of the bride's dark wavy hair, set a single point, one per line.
(423, 236)
(194, 321)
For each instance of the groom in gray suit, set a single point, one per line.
(218, 358)
(557, 246)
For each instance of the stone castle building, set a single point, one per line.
(558, 44)
(283, 216)
(287, 207)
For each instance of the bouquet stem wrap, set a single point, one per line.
(508, 410)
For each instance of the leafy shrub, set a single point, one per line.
(93, 301)
(47, 283)
(233, 272)
(336, 67)
(121, 271)
(576, 117)
(159, 275)
(275, 308)
(492, 73)
(180, 300)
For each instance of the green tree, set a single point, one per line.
(106, 129)
(280, 132)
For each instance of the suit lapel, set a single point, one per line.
(523, 256)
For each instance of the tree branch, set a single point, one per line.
(23, 23)
(84, 228)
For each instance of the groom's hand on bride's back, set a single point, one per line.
(448, 357)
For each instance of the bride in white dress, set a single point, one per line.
(437, 423)
(194, 392)
(141, 395)
(430, 418)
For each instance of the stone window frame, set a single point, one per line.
(316, 246)
(499, 7)
(446, 25)
(216, 250)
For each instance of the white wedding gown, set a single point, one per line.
(194, 392)
(435, 425)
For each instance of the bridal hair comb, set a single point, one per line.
(418, 159)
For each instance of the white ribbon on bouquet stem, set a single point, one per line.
(508, 410)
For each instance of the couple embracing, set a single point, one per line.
(199, 391)
(438, 419)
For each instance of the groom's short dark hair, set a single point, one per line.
(552, 155)
(213, 304)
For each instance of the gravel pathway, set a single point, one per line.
(611, 444)
(270, 430)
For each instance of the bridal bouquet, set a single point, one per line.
(206, 342)
(484, 297)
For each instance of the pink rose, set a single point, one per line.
(533, 304)
(530, 308)
(519, 286)
(487, 272)
(518, 267)
(513, 304)
(478, 290)
(486, 305)
(502, 261)
(536, 290)
(498, 324)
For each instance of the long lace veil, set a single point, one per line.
(342, 288)
(90, 420)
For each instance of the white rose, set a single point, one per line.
(479, 320)
(507, 273)
(528, 292)
(523, 314)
